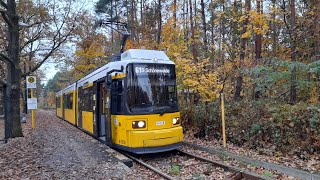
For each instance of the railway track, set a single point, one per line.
(236, 172)
(229, 172)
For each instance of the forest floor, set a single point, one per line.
(1, 129)
(307, 162)
(56, 150)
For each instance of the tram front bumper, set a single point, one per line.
(155, 138)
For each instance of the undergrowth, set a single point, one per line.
(258, 124)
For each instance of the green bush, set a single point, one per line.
(260, 123)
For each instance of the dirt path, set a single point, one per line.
(57, 150)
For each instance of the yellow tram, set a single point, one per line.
(130, 103)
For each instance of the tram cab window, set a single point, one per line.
(151, 88)
(116, 96)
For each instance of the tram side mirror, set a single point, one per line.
(108, 80)
(107, 103)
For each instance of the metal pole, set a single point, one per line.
(6, 121)
(223, 122)
(25, 108)
(32, 112)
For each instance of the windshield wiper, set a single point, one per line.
(142, 105)
(164, 110)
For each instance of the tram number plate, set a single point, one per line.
(159, 123)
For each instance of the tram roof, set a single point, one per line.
(129, 56)
(142, 54)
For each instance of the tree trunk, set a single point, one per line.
(195, 13)
(274, 31)
(141, 13)
(235, 32)
(117, 16)
(14, 73)
(135, 19)
(204, 25)
(212, 29)
(185, 15)
(223, 34)
(238, 87)
(112, 35)
(316, 8)
(133, 29)
(127, 10)
(293, 88)
(193, 45)
(159, 22)
(175, 13)
(258, 46)
(317, 29)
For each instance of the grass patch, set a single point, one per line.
(175, 169)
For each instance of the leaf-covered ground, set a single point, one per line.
(57, 150)
(290, 160)
(1, 129)
(184, 167)
(234, 163)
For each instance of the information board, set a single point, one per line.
(32, 103)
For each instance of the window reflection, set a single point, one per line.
(151, 88)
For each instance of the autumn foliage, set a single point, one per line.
(263, 55)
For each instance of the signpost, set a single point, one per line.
(223, 122)
(32, 102)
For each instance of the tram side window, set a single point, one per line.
(86, 99)
(68, 101)
(58, 104)
(116, 95)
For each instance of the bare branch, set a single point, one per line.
(3, 4)
(55, 46)
(25, 53)
(4, 16)
(33, 39)
(31, 25)
(28, 18)
(36, 23)
(6, 59)
(63, 22)
(57, 40)
(3, 83)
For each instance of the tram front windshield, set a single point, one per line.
(151, 88)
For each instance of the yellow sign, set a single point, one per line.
(31, 82)
(31, 79)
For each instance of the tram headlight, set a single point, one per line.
(138, 124)
(175, 120)
(141, 124)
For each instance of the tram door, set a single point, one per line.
(104, 127)
(63, 105)
(107, 106)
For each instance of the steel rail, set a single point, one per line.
(237, 173)
(297, 173)
(150, 167)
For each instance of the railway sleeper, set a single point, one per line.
(237, 173)
(242, 175)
